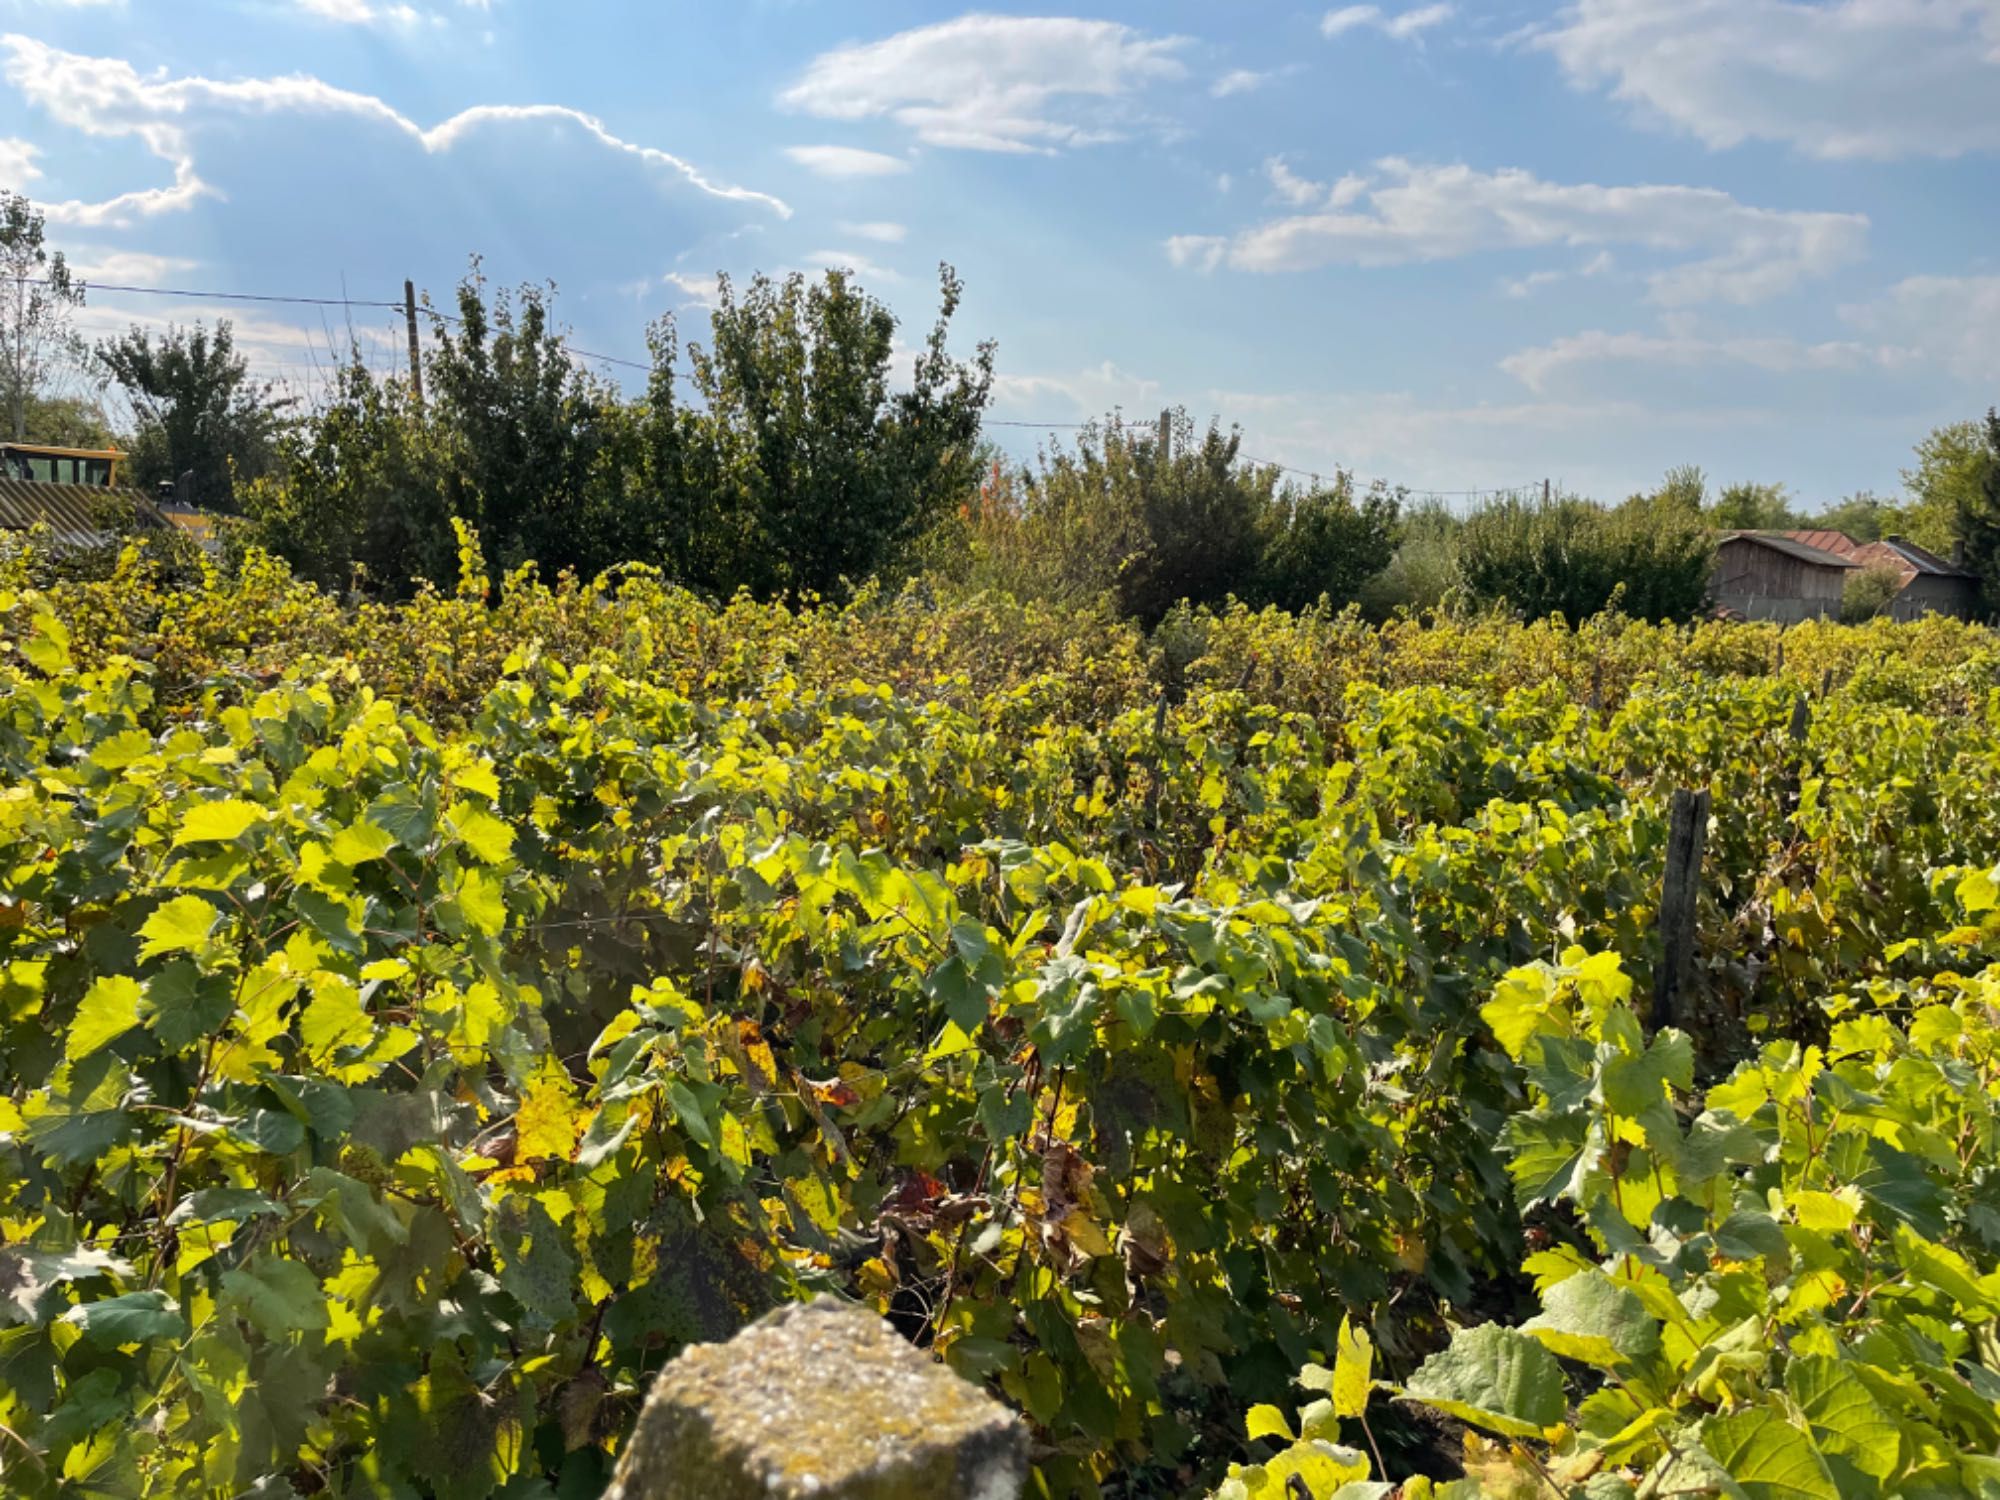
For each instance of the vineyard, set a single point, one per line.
(1228, 1045)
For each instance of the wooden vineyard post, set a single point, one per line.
(1686, 838)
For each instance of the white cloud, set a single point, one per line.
(1923, 327)
(1939, 322)
(1842, 78)
(1239, 81)
(1599, 264)
(846, 161)
(17, 162)
(1288, 187)
(1092, 392)
(700, 291)
(107, 97)
(361, 13)
(880, 231)
(127, 267)
(1202, 252)
(994, 83)
(1738, 253)
(349, 12)
(863, 268)
(1541, 367)
(1405, 26)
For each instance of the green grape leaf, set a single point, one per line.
(278, 1296)
(1844, 1415)
(135, 1318)
(1767, 1457)
(1592, 1318)
(1493, 1377)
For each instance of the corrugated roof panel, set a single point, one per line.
(1778, 542)
(1923, 560)
(73, 511)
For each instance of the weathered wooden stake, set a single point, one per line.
(1687, 837)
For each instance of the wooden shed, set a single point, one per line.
(1930, 584)
(1761, 575)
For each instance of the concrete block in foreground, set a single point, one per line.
(819, 1400)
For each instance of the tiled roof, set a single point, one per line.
(1905, 556)
(1778, 541)
(72, 511)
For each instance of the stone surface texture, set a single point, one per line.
(819, 1400)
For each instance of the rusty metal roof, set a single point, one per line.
(1779, 542)
(1923, 560)
(72, 511)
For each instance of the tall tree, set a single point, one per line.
(1753, 507)
(354, 497)
(69, 422)
(531, 447)
(201, 419)
(38, 297)
(1953, 466)
(802, 469)
(1865, 517)
(1978, 516)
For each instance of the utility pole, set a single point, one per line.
(1545, 493)
(1167, 436)
(416, 351)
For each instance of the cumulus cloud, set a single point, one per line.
(1730, 251)
(109, 98)
(846, 161)
(882, 232)
(17, 162)
(128, 267)
(1409, 25)
(700, 291)
(1835, 78)
(995, 83)
(1944, 322)
(1539, 368)
(1239, 81)
(1599, 264)
(1288, 187)
(1091, 392)
(848, 260)
(1922, 327)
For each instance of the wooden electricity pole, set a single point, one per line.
(416, 350)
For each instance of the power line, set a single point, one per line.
(297, 301)
(647, 369)
(1315, 475)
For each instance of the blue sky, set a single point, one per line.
(1454, 245)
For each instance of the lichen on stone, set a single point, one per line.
(818, 1400)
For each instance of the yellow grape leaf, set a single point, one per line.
(482, 833)
(1353, 1370)
(333, 1018)
(358, 843)
(109, 1009)
(218, 822)
(546, 1124)
(1827, 1212)
(1267, 1421)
